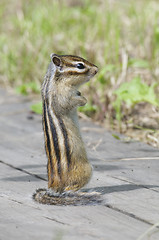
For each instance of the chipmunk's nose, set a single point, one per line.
(95, 69)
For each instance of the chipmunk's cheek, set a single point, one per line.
(89, 78)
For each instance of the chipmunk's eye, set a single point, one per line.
(80, 65)
(78, 93)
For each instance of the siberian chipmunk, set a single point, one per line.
(68, 166)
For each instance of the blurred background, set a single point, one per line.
(120, 36)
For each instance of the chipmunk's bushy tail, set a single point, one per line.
(46, 196)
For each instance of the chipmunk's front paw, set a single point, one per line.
(82, 101)
(79, 100)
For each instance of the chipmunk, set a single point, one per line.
(68, 166)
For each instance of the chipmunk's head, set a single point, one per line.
(72, 69)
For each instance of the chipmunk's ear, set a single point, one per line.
(56, 59)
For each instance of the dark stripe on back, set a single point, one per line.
(66, 140)
(55, 142)
(47, 146)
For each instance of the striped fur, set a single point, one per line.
(48, 142)
(66, 141)
(56, 137)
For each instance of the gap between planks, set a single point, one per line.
(132, 159)
(22, 170)
(128, 181)
(129, 214)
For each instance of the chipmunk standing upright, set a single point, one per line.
(68, 165)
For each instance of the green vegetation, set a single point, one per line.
(37, 108)
(134, 92)
(27, 88)
(121, 37)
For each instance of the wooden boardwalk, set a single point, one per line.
(126, 175)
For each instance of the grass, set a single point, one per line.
(121, 37)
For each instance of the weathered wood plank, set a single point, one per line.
(21, 217)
